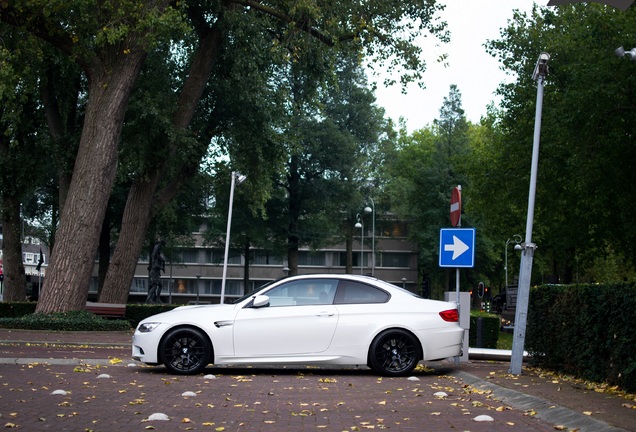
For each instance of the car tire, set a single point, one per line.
(394, 352)
(185, 351)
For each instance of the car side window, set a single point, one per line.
(303, 292)
(351, 292)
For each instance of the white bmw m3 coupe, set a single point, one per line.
(309, 319)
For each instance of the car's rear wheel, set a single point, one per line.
(394, 353)
(185, 351)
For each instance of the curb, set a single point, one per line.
(62, 362)
(545, 410)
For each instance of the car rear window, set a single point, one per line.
(351, 292)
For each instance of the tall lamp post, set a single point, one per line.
(371, 210)
(517, 239)
(523, 293)
(360, 224)
(237, 178)
(198, 287)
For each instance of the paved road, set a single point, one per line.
(87, 381)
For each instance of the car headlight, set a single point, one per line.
(147, 327)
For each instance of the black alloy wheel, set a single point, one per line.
(394, 353)
(185, 351)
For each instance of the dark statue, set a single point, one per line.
(156, 266)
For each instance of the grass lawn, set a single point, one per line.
(505, 341)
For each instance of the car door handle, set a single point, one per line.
(321, 314)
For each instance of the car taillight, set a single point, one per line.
(450, 315)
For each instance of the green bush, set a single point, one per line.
(585, 330)
(484, 324)
(10, 313)
(16, 309)
(137, 312)
(66, 321)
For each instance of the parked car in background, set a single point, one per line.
(309, 319)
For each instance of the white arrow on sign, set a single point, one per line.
(458, 247)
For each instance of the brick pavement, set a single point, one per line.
(257, 399)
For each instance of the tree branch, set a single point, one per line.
(304, 26)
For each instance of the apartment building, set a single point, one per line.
(193, 275)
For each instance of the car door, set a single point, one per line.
(299, 320)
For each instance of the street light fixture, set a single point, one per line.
(237, 178)
(360, 224)
(371, 210)
(517, 239)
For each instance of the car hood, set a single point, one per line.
(190, 313)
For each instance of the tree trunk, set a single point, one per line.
(73, 258)
(292, 255)
(104, 254)
(14, 284)
(135, 223)
(139, 205)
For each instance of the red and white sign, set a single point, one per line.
(456, 206)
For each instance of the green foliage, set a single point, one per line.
(585, 330)
(20, 315)
(586, 153)
(489, 324)
(428, 165)
(137, 312)
(64, 321)
(16, 309)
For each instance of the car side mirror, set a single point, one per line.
(260, 301)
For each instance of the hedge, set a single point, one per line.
(585, 330)
(16, 309)
(489, 324)
(21, 315)
(64, 321)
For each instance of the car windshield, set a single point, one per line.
(255, 291)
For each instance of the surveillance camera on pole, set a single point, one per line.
(620, 52)
(523, 293)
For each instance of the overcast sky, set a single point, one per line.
(476, 73)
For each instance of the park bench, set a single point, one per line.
(108, 310)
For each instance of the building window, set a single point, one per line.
(190, 255)
(263, 258)
(307, 258)
(139, 285)
(29, 258)
(393, 259)
(232, 287)
(395, 230)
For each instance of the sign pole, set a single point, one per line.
(457, 197)
(456, 208)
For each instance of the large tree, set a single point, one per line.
(429, 164)
(582, 208)
(23, 148)
(110, 42)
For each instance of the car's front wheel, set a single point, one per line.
(185, 351)
(394, 352)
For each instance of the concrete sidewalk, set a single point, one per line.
(532, 401)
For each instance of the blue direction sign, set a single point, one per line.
(457, 247)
